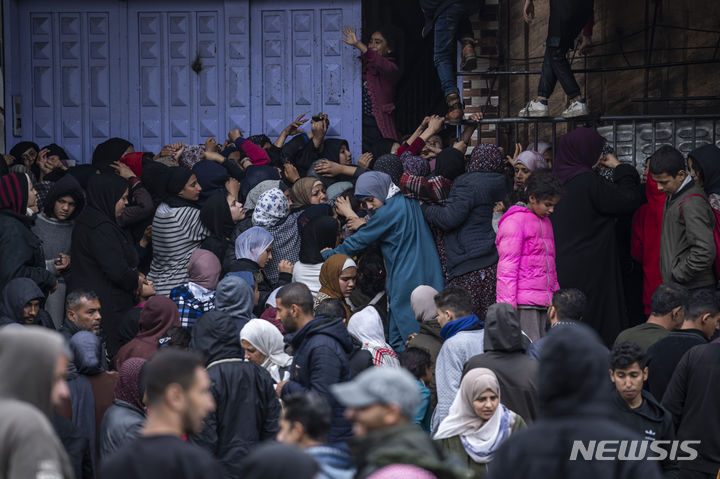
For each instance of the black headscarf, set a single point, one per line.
(313, 211)
(708, 157)
(56, 150)
(318, 234)
(390, 164)
(82, 173)
(154, 176)
(109, 152)
(65, 186)
(382, 147)
(104, 191)
(332, 148)
(279, 461)
(260, 140)
(450, 163)
(177, 178)
(254, 175)
(20, 148)
(215, 215)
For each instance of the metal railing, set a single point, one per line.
(633, 137)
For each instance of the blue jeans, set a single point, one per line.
(445, 57)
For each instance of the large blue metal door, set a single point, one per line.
(303, 66)
(81, 71)
(64, 73)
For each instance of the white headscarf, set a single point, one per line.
(479, 438)
(422, 301)
(366, 325)
(269, 341)
(252, 243)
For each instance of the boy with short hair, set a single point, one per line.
(687, 245)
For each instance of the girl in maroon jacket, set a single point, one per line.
(380, 76)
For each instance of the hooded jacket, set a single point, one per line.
(505, 355)
(234, 298)
(27, 259)
(650, 420)
(645, 239)
(16, 294)
(320, 360)
(247, 408)
(574, 400)
(526, 271)
(466, 219)
(29, 445)
(159, 314)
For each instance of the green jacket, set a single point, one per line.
(453, 445)
(404, 444)
(687, 245)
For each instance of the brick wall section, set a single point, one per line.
(475, 90)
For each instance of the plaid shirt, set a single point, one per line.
(190, 308)
(431, 189)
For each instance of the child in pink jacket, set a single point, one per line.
(526, 274)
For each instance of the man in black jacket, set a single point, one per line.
(247, 410)
(701, 321)
(574, 406)
(320, 360)
(22, 302)
(634, 407)
(691, 398)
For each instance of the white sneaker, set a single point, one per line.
(576, 108)
(534, 109)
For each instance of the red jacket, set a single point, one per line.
(382, 76)
(645, 242)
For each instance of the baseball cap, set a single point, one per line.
(380, 385)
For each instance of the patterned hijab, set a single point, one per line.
(271, 209)
(128, 387)
(486, 157)
(390, 164)
(415, 165)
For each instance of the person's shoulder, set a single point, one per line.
(20, 417)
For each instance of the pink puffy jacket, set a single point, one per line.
(526, 271)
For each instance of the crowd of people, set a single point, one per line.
(271, 308)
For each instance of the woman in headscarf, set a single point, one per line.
(259, 189)
(398, 225)
(51, 165)
(220, 213)
(527, 162)
(466, 223)
(645, 237)
(129, 326)
(159, 314)
(584, 227)
(25, 154)
(390, 164)
(124, 420)
(104, 259)
(22, 250)
(176, 231)
(477, 423)
(307, 191)
(337, 280)
(264, 346)
(367, 327)
(54, 226)
(319, 233)
(272, 212)
(422, 301)
(110, 151)
(253, 251)
(197, 296)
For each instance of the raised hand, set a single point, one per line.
(350, 36)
